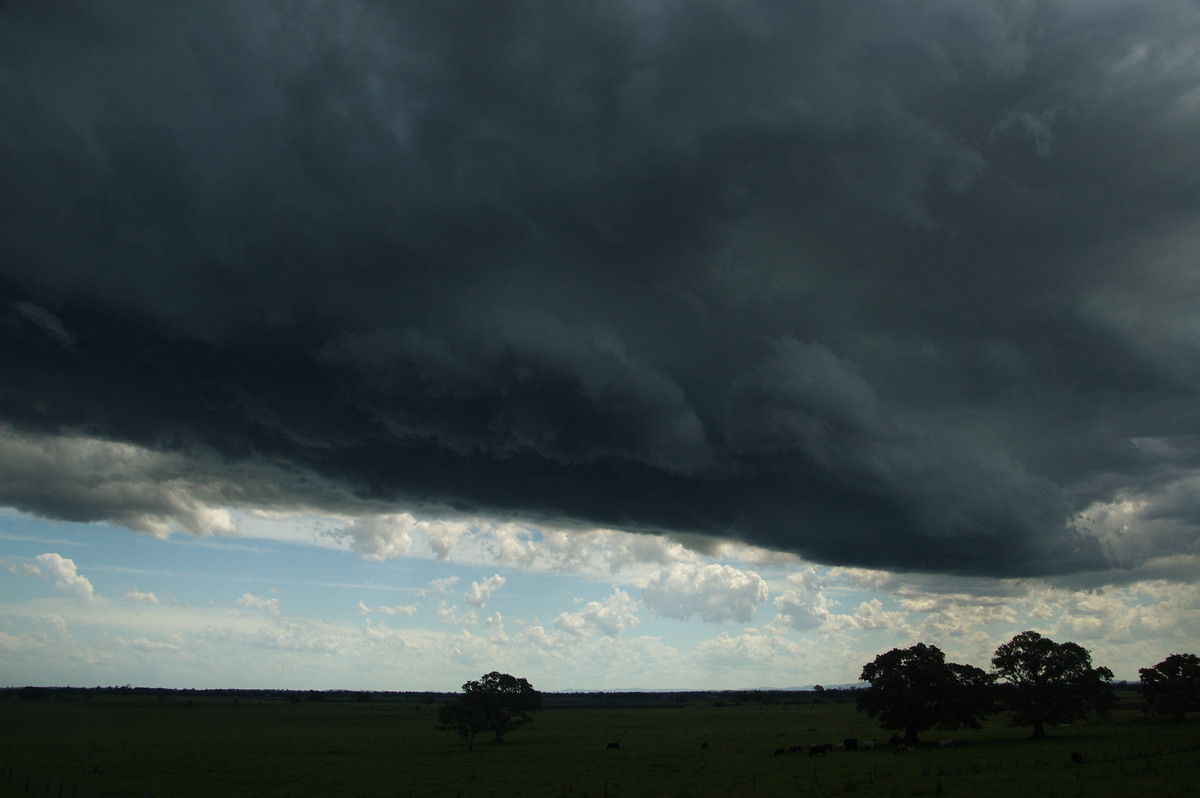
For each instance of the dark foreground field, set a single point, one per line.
(167, 746)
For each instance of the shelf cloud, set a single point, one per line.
(908, 287)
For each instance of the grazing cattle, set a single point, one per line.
(850, 744)
(703, 746)
(613, 747)
(900, 749)
(1077, 757)
(820, 750)
(795, 749)
(780, 752)
(839, 746)
(945, 743)
(895, 739)
(867, 745)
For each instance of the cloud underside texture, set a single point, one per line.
(908, 286)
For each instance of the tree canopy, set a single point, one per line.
(915, 689)
(496, 702)
(1047, 682)
(1172, 687)
(463, 719)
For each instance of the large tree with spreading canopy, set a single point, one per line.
(914, 689)
(496, 702)
(1172, 687)
(1046, 682)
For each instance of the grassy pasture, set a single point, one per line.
(162, 746)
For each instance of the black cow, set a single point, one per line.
(613, 747)
(850, 743)
(820, 750)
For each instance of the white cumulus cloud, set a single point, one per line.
(717, 593)
(872, 615)
(64, 573)
(610, 617)
(379, 537)
(803, 605)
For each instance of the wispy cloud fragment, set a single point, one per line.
(142, 597)
(249, 601)
(480, 592)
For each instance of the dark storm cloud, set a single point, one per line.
(907, 286)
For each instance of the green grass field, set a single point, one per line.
(163, 747)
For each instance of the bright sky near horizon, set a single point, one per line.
(696, 344)
(289, 603)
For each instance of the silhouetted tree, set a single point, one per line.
(1048, 682)
(1172, 687)
(914, 689)
(503, 702)
(463, 719)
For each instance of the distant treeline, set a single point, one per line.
(571, 700)
(295, 696)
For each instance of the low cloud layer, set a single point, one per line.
(906, 287)
(814, 624)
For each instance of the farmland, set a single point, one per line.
(174, 744)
